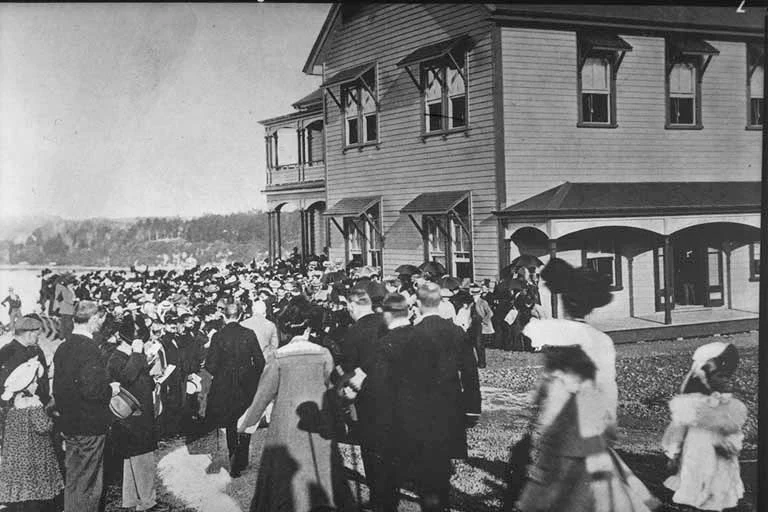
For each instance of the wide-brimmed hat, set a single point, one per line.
(21, 377)
(124, 405)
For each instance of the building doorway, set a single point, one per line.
(697, 275)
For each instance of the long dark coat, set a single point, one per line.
(438, 385)
(358, 350)
(134, 435)
(236, 362)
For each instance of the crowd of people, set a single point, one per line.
(320, 355)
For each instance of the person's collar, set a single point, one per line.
(398, 322)
(433, 312)
(82, 330)
(367, 313)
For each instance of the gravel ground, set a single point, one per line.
(648, 375)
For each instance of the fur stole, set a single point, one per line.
(716, 412)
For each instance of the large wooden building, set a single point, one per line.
(625, 138)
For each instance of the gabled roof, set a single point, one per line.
(325, 31)
(659, 17)
(643, 199)
(723, 20)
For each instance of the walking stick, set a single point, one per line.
(133, 475)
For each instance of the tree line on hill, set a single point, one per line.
(210, 238)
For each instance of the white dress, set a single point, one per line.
(707, 480)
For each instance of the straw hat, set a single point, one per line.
(124, 405)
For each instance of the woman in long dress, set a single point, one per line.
(573, 467)
(29, 472)
(301, 468)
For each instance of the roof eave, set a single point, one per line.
(627, 212)
(568, 21)
(321, 39)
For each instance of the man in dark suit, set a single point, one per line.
(358, 349)
(82, 391)
(382, 384)
(438, 387)
(236, 362)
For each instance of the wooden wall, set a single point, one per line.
(403, 165)
(544, 147)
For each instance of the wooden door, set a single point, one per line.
(658, 280)
(713, 277)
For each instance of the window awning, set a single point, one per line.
(644, 199)
(604, 42)
(693, 46)
(349, 74)
(436, 50)
(435, 203)
(352, 206)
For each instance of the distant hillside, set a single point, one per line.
(150, 241)
(17, 229)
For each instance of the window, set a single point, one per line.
(682, 94)
(355, 240)
(360, 110)
(363, 240)
(754, 261)
(596, 85)
(445, 94)
(372, 238)
(605, 260)
(436, 239)
(755, 77)
(687, 59)
(599, 56)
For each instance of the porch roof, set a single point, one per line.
(644, 199)
(436, 203)
(352, 206)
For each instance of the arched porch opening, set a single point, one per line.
(312, 230)
(714, 265)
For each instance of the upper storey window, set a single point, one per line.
(755, 77)
(599, 58)
(439, 71)
(358, 102)
(445, 94)
(686, 61)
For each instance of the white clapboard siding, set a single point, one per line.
(544, 147)
(404, 165)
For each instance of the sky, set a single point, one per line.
(126, 110)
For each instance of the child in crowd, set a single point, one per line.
(705, 436)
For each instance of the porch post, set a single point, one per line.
(668, 275)
(279, 248)
(270, 238)
(727, 250)
(303, 229)
(312, 249)
(553, 296)
(631, 285)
